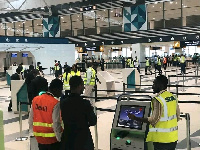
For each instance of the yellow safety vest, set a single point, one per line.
(159, 62)
(175, 58)
(56, 67)
(23, 67)
(147, 63)
(66, 81)
(78, 73)
(166, 130)
(131, 64)
(182, 60)
(37, 67)
(92, 81)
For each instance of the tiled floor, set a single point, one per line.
(11, 124)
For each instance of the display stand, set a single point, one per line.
(19, 93)
(1, 131)
(131, 77)
(107, 83)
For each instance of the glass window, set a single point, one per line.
(155, 15)
(65, 26)
(2, 29)
(173, 14)
(116, 20)
(191, 13)
(10, 29)
(102, 21)
(38, 28)
(18, 28)
(28, 28)
(77, 24)
(89, 23)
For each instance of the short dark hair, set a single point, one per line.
(75, 81)
(162, 80)
(56, 84)
(31, 67)
(18, 70)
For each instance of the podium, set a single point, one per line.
(1, 131)
(107, 83)
(131, 76)
(19, 94)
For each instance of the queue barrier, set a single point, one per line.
(21, 138)
(1, 131)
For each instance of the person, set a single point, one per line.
(78, 116)
(60, 68)
(123, 62)
(29, 77)
(44, 118)
(102, 64)
(16, 76)
(137, 64)
(66, 66)
(38, 84)
(131, 63)
(38, 65)
(163, 128)
(75, 71)
(147, 67)
(56, 69)
(182, 64)
(66, 78)
(90, 80)
(14, 64)
(159, 65)
(165, 63)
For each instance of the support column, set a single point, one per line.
(51, 26)
(139, 51)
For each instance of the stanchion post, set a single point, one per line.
(140, 81)
(95, 111)
(177, 90)
(188, 131)
(183, 82)
(169, 83)
(165, 73)
(124, 87)
(196, 76)
(20, 126)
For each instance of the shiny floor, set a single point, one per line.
(11, 121)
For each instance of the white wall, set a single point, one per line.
(46, 54)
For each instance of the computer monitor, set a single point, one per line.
(24, 54)
(13, 54)
(125, 122)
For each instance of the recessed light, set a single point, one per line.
(156, 2)
(171, 2)
(153, 6)
(154, 18)
(61, 17)
(70, 8)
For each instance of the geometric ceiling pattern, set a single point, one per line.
(142, 36)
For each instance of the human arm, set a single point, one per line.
(154, 118)
(91, 116)
(57, 122)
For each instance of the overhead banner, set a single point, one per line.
(189, 43)
(135, 18)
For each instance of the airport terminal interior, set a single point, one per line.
(130, 41)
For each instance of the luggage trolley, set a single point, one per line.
(127, 134)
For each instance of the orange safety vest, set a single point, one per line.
(164, 60)
(42, 121)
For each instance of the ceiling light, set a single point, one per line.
(160, 7)
(42, 8)
(61, 17)
(92, 10)
(156, 2)
(154, 18)
(70, 8)
(16, 17)
(153, 6)
(78, 15)
(41, 24)
(111, 11)
(171, 2)
(104, 10)
(176, 2)
(19, 25)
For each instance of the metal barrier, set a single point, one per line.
(20, 122)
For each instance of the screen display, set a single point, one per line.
(13, 54)
(24, 54)
(124, 121)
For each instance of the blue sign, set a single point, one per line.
(13, 54)
(33, 40)
(24, 54)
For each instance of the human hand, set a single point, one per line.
(131, 116)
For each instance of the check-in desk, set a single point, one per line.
(107, 83)
(19, 94)
(131, 77)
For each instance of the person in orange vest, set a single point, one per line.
(44, 118)
(165, 63)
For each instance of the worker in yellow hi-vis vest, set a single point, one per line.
(163, 128)
(182, 64)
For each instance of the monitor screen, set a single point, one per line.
(125, 122)
(13, 54)
(24, 54)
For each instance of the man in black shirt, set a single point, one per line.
(78, 116)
